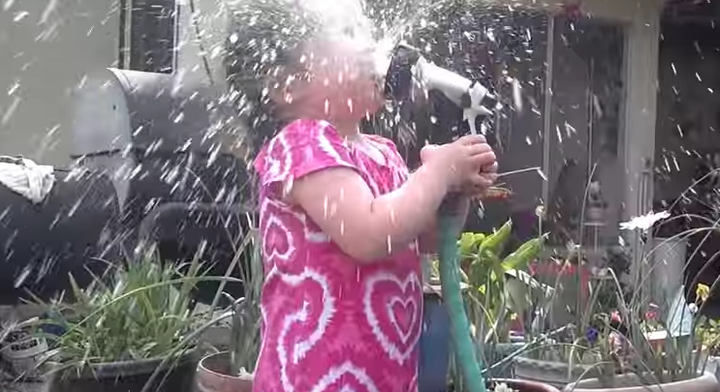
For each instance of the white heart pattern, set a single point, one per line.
(301, 347)
(335, 374)
(278, 243)
(278, 159)
(408, 308)
(398, 338)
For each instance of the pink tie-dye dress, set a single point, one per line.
(331, 324)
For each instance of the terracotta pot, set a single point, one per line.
(213, 375)
(632, 383)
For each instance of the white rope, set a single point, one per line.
(27, 178)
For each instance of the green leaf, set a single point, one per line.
(496, 241)
(527, 252)
(526, 279)
(469, 243)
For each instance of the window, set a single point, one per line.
(148, 35)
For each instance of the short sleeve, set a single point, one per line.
(395, 159)
(301, 148)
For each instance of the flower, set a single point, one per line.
(650, 315)
(502, 387)
(592, 335)
(693, 308)
(644, 222)
(615, 316)
(702, 292)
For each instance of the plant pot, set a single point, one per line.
(213, 375)
(24, 354)
(174, 376)
(520, 385)
(557, 374)
(713, 366)
(434, 345)
(499, 352)
(524, 385)
(632, 383)
(669, 259)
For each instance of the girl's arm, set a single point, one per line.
(365, 227)
(308, 164)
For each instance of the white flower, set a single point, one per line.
(644, 222)
(693, 308)
(502, 387)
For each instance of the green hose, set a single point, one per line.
(450, 227)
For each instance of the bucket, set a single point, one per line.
(434, 345)
(669, 256)
(23, 351)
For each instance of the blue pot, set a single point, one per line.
(434, 346)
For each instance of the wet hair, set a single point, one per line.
(262, 47)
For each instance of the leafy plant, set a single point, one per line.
(245, 336)
(709, 335)
(583, 339)
(499, 288)
(138, 310)
(663, 342)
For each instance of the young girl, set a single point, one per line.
(339, 212)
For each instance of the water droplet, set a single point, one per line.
(542, 175)
(10, 110)
(20, 15)
(20, 279)
(7, 4)
(13, 88)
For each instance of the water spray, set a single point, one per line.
(408, 70)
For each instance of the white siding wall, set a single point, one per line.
(46, 47)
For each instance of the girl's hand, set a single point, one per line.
(486, 179)
(470, 163)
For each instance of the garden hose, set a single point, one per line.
(449, 227)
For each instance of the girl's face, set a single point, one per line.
(340, 82)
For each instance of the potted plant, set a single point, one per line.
(579, 347)
(677, 360)
(500, 290)
(231, 371)
(496, 290)
(133, 329)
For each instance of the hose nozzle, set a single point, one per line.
(408, 68)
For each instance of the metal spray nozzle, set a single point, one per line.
(408, 67)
